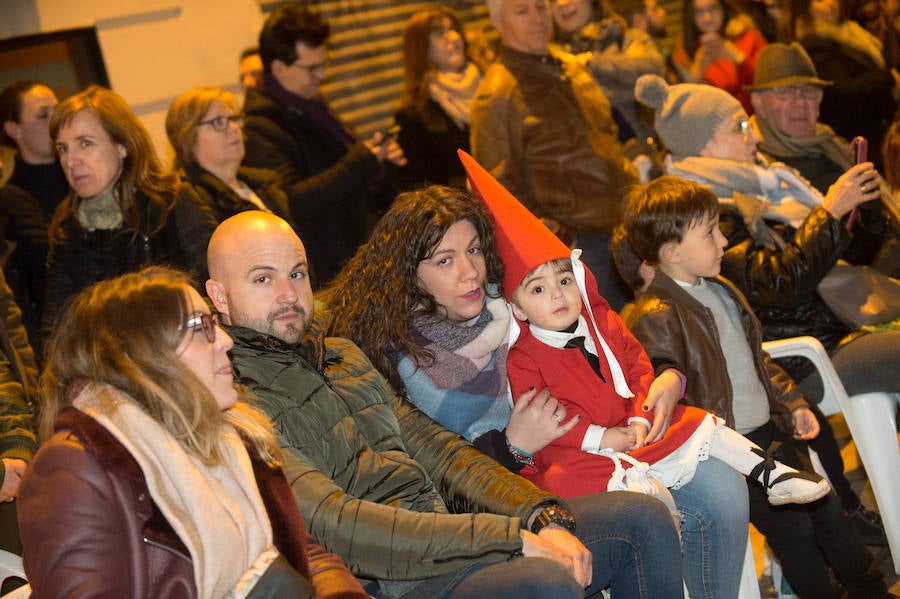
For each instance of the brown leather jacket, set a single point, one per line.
(90, 528)
(679, 332)
(542, 126)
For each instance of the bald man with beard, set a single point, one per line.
(376, 479)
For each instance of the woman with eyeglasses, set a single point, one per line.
(155, 478)
(205, 128)
(123, 211)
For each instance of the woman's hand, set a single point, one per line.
(859, 184)
(664, 393)
(386, 148)
(537, 420)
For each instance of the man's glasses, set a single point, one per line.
(312, 69)
(807, 92)
(208, 323)
(220, 123)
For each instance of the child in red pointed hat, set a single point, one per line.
(573, 343)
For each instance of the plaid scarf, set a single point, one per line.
(464, 388)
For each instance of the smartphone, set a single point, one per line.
(390, 133)
(859, 148)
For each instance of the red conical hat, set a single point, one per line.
(524, 242)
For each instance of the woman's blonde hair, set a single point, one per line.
(124, 332)
(142, 170)
(186, 112)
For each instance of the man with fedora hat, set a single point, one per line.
(786, 95)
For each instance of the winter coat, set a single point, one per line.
(327, 183)
(225, 202)
(379, 483)
(429, 139)
(678, 330)
(780, 285)
(90, 527)
(84, 256)
(542, 126)
(18, 384)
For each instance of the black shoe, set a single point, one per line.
(869, 526)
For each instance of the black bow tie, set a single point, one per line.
(594, 361)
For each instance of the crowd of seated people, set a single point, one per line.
(364, 441)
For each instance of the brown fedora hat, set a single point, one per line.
(781, 65)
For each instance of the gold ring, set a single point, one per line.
(862, 186)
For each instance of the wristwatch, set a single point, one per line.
(553, 514)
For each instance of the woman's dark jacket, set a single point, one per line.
(780, 285)
(429, 139)
(81, 257)
(85, 485)
(225, 202)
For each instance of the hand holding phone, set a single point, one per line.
(859, 148)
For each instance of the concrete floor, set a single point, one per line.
(857, 476)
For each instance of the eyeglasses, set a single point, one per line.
(743, 127)
(312, 69)
(221, 122)
(807, 92)
(209, 323)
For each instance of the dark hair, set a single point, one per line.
(800, 20)
(252, 51)
(629, 8)
(690, 34)
(11, 106)
(416, 65)
(286, 26)
(628, 263)
(662, 211)
(377, 295)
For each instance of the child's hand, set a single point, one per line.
(805, 424)
(640, 434)
(538, 419)
(618, 438)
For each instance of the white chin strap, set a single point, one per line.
(618, 375)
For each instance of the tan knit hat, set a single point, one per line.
(781, 65)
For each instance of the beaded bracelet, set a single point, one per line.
(519, 455)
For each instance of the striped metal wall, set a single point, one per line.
(365, 71)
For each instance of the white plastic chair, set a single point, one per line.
(11, 567)
(872, 420)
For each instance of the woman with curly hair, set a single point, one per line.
(422, 298)
(439, 84)
(155, 479)
(124, 212)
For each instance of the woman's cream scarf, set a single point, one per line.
(454, 92)
(216, 511)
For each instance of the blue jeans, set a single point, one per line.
(634, 547)
(714, 516)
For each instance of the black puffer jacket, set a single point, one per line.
(330, 186)
(780, 285)
(225, 202)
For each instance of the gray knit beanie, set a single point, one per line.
(687, 114)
